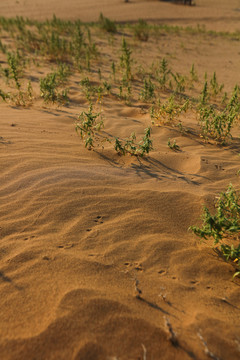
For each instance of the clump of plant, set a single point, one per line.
(223, 226)
(173, 145)
(125, 91)
(56, 47)
(163, 73)
(63, 72)
(204, 94)
(125, 61)
(141, 30)
(3, 48)
(14, 70)
(215, 86)
(107, 24)
(179, 81)
(168, 111)
(148, 91)
(129, 145)
(4, 95)
(193, 73)
(217, 124)
(49, 91)
(88, 125)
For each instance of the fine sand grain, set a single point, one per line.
(83, 233)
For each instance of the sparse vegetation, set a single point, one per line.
(223, 226)
(144, 111)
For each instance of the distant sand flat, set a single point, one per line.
(219, 15)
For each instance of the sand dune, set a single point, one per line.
(80, 230)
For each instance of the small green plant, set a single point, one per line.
(87, 126)
(141, 30)
(14, 62)
(204, 94)
(193, 74)
(125, 61)
(129, 145)
(163, 73)
(168, 111)
(4, 95)
(49, 92)
(145, 145)
(173, 146)
(215, 87)
(218, 124)
(148, 91)
(63, 72)
(125, 91)
(107, 24)
(3, 48)
(180, 82)
(223, 226)
(114, 70)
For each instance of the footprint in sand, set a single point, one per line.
(98, 219)
(162, 272)
(137, 266)
(65, 246)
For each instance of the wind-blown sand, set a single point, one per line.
(79, 228)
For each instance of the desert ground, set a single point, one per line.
(106, 161)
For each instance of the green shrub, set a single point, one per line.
(107, 24)
(141, 30)
(224, 225)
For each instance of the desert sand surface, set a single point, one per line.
(218, 15)
(96, 260)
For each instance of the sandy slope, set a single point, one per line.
(79, 228)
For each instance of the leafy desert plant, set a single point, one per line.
(224, 225)
(4, 95)
(87, 126)
(163, 73)
(148, 91)
(168, 111)
(173, 146)
(141, 30)
(49, 91)
(204, 94)
(14, 62)
(107, 24)
(125, 61)
(217, 124)
(129, 145)
(215, 87)
(193, 73)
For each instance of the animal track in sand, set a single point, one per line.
(98, 220)
(65, 246)
(137, 266)
(162, 272)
